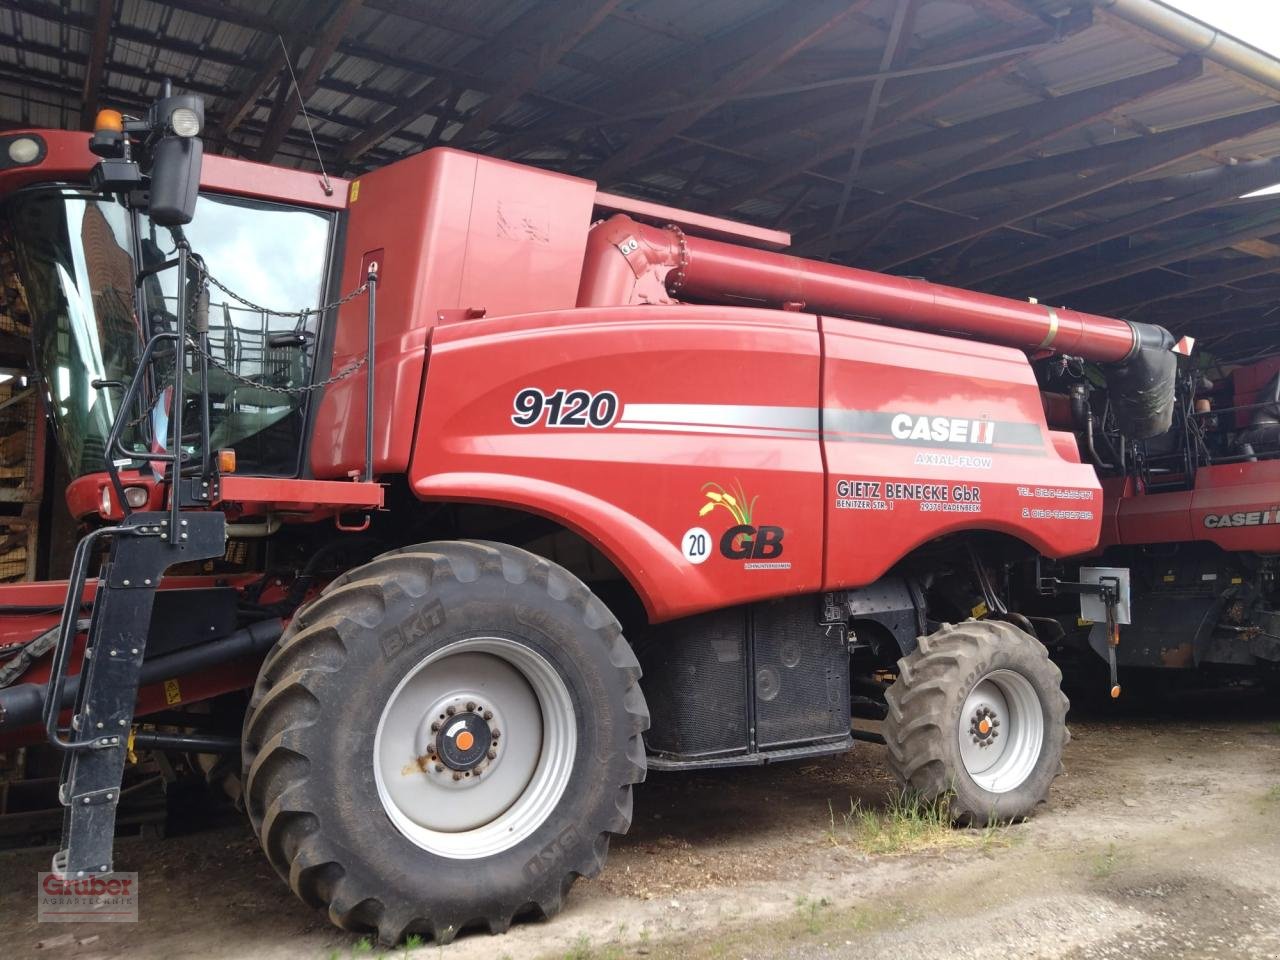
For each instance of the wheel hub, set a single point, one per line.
(465, 741)
(475, 747)
(982, 726)
(1001, 731)
(456, 738)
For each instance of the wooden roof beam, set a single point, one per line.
(517, 33)
(96, 65)
(1050, 120)
(430, 94)
(785, 31)
(1227, 304)
(894, 48)
(1161, 151)
(560, 31)
(1217, 237)
(321, 53)
(783, 171)
(1247, 178)
(247, 99)
(1246, 269)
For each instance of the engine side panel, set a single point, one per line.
(703, 478)
(1233, 505)
(927, 436)
(695, 465)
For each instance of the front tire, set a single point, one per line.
(978, 713)
(446, 738)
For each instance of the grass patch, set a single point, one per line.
(1105, 862)
(811, 912)
(1272, 795)
(909, 823)
(583, 949)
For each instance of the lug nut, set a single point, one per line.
(456, 775)
(451, 710)
(471, 704)
(488, 714)
(435, 726)
(439, 768)
(492, 754)
(497, 734)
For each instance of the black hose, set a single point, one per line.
(22, 704)
(191, 742)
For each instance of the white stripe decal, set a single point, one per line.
(711, 428)
(722, 415)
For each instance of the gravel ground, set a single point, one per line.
(1162, 841)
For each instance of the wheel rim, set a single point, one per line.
(475, 747)
(1001, 731)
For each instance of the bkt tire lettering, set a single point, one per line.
(745, 542)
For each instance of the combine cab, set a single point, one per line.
(427, 466)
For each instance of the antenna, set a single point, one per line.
(324, 177)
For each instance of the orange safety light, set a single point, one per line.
(109, 120)
(226, 460)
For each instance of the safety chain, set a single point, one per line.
(207, 277)
(342, 374)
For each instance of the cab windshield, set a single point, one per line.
(77, 257)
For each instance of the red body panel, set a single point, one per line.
(68, 158)
(636, 486)
(997, 468)
(459, 232)
(726, 400)
(1233, 505)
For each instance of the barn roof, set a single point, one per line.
(1094, 154)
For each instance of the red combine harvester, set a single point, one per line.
(1194, 515)
(435, 522)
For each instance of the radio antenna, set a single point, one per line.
(324, 177)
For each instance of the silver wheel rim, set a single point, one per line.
(482, 692)
(1001, 731)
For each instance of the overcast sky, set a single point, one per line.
(1253, 21)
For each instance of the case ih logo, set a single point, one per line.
(1254, 518)
(760, 545)
(905, 426)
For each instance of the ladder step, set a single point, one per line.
(94, 754)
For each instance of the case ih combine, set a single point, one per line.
(1193, 515)
(525, 437)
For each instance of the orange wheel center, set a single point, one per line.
(984, 727)
(466, 740)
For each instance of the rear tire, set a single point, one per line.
(978, 713)
(402, 845)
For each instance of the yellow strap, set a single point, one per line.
(1053, 329)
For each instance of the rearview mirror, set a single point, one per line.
(170, 152)
(175, 180)
(176, 152)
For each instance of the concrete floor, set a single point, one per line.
(1163, 840)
